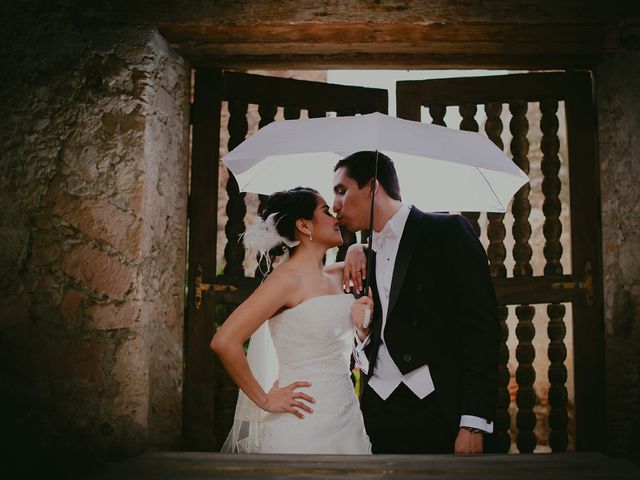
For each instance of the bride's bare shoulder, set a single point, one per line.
(335, 271)
(283, 277)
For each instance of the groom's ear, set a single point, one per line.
(371, 184)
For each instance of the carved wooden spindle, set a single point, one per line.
(525, 331)
(469, 123)
(291, 112)
(552, 207)
(502, 438)
(437, 113)
(558, 418)
(551, 186)
(496, 231)
(236, 208)
(497, 253)
(525, 376)
(267, 114)
(521, 207)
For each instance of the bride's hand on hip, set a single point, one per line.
(288, 400)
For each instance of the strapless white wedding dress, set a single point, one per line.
(313, 342)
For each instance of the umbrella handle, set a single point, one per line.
(367, 318)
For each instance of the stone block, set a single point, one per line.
(100, 219)
(98, 271)
(111, 316)
(131, 372)
(129, 183)
(70, 308)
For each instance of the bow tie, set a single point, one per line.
(379, 239)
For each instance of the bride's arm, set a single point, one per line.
(227, 343)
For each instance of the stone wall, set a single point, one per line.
(618, 102)
(94, 143)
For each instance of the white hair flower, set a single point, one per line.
(260, 237)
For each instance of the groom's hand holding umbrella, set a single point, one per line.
(361, 315)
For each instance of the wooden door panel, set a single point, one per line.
(513, 96)
(210, 394)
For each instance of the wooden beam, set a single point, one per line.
(510, 291)
(213, 12)
(390, 61)
(325, 45)
(323, 38)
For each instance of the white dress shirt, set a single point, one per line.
(386, 374)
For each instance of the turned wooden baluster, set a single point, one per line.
(496, 231)
(552, 207)
(267, 114)
(558, 418)
(437, 113)
(497, 253)
(236, 208)
(525, 331)
(291, 112)
(468, 123)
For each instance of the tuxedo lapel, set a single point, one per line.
(377, 323)
(407, 245)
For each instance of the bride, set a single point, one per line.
(298, 399)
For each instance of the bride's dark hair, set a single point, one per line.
(289, 206)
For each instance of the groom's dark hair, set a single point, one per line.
(361, 167)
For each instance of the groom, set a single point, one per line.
(430, 354)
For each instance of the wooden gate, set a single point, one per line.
(209, 393)
(571, 295)
(508, 98)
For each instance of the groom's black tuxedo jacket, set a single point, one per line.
(442, 312)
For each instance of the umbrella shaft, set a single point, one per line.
(369, 250)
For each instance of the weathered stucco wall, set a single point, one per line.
(93, 190)
(618, 101)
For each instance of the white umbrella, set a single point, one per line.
(440, 169)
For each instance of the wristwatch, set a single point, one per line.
(473, 430)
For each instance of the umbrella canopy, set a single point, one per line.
(440, 169)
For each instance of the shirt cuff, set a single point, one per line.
(361, 359)
(361, 344)
(476, 422)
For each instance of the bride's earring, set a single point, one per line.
(310, 237)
